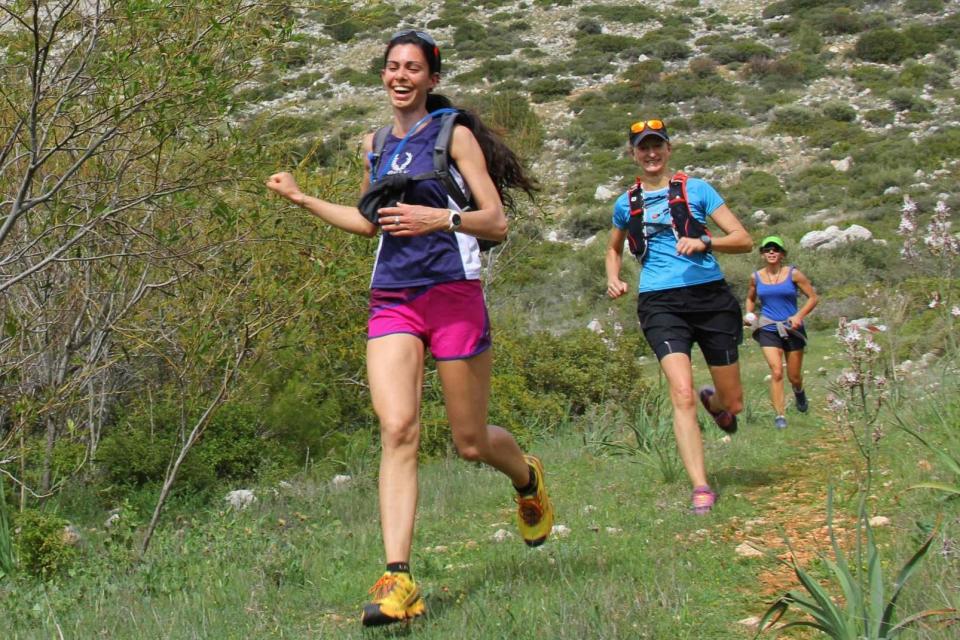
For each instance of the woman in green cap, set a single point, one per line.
(779, 327)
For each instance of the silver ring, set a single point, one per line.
(396, 220)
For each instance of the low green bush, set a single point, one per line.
(717, 120)
(622, 13)
(755, 190)
(739, 51)
(839, 111)
(915, 74)
(546, 89)
(923, 6)
(874, 78)
(593, 44)
(884, 45)
(842, 137)
(686, 86)
(41, 546)
(510, 113)
(879, 117)
(794, 120)
(837, 21)
(904, 99)
(717, 154)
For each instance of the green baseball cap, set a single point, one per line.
(775, 241)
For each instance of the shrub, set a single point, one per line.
(355, 77)
(755, 190)
(546, 89)
(626, 13)
(739, 51)
(807, 40)
(718, 154)
(717, 120)
(839, 111)
(839, 136)
(591, 44)
(671, 50)
(686, 86)
(904, 99)
(923, 6)
(883, 45)
(510, 112)
(914, 74)
(788, 71)
(874, 78)
(837, 22)
(40, 543)
(879, 117)
(703, 67)
(589, 26)
(794, 120)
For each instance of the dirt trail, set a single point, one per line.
(795, 505)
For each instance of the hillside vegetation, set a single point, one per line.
(170, 332)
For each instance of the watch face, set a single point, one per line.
(455, 219)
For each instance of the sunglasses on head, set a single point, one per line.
(413, 32)
(638, 127)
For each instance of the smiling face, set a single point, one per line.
(407, 78)
(772, 255)
(652, 153)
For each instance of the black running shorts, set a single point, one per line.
(773, 339)
(706, 314)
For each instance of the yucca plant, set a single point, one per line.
(864, 613)
(7, 560)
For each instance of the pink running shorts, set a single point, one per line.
(450, 318)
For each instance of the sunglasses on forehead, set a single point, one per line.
(413, 32)
(639, 127)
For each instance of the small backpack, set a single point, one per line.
(682, 222)
(441, 166)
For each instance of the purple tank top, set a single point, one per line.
(433, 258)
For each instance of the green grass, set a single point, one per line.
(635, 563)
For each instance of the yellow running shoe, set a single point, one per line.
(535, 513)
(396, 597)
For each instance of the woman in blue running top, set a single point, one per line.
(779, 327)
(683, 297)
(426, 294)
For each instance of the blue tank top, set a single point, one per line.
(777, 301)
(433, 258)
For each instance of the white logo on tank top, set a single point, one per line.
(401, 167)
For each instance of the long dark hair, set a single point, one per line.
(503, 165)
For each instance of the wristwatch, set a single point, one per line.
(454, 221)
(707, 240)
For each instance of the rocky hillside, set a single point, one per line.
(747, 78)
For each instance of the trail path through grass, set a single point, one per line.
(628, 559)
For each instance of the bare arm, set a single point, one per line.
(613, 261)
(487, 221)
(803, 283)
(338, 215)
(736, 240)
(751, 300)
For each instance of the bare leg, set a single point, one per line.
(729, 395)
(395, 371)
(679, 373)
(466, 393)
(795, 368)
(774, 358)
